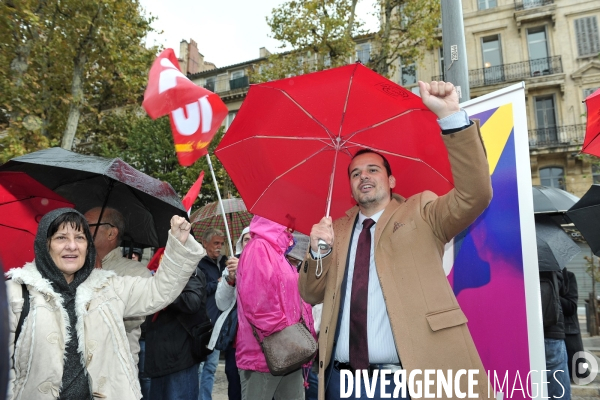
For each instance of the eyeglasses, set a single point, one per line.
(102, 223)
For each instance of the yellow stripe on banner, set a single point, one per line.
(183, 147)
(495, 133)
(201, 145)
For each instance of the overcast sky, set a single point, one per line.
(227, 31)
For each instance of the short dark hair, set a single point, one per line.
(386, 164)
(76, 220)
(115, 218)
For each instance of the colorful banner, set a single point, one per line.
(495, 273)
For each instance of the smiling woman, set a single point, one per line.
(68, 246)
(80, 310)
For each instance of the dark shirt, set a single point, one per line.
(213, 270)
(168, 343)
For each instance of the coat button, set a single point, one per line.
(326, 329)
(321, 364)
(305, 267)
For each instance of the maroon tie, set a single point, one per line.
(359, 345)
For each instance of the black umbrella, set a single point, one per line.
(555, 248)
(147, 204)
(551, 200)
(585, 214)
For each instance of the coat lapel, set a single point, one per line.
(345, 235)
(391, 208)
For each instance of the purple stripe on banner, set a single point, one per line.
(484, 116)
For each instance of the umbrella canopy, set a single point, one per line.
(210, 216)
(289, 147)
(591, 144)
(555, 248)
(23, 202)
(548, 200)
(147, 204)
(585, 214)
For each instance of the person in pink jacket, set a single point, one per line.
(269, 301)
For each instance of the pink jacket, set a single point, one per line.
(268, 295)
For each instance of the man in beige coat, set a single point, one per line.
(419, 324)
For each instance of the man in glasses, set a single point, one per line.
(107, 235)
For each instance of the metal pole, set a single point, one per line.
(212, 171)
(455, 50)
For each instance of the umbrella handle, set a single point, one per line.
(323, 245)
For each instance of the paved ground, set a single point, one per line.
(220, 387)
(588, 392)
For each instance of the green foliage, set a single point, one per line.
(408, 28)
(320, 34)
(147, 145)
(63, 55)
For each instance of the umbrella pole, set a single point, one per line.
(212, 172)
(110, 188)
(322, 244)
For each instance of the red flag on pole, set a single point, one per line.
(191, 195)
(155, 260)
(195, 113)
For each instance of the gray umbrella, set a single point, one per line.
(551, 200)
(555, 248)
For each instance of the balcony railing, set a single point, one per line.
(566, 135)
(526, 4)
(512, 72)
(225, 84)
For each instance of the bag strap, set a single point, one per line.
(301, 320)
(24, 313)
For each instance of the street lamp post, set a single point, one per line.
(455, 50)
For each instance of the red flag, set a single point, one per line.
(155, 260)
(191, 195)
(195, 113)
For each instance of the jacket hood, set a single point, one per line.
(272, 232)
(43, 259)
(238, 244)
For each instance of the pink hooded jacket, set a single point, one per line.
(268, 295)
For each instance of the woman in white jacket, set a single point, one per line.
(73, 343)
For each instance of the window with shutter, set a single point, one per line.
(588, 41)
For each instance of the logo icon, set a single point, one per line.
(585, 366)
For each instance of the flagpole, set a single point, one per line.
(212, 172)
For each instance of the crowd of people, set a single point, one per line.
(88, 319)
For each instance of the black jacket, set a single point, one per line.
(568, 302)
(212, 270)
(556, 331)
(168, 344)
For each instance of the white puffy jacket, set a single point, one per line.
(101, 303)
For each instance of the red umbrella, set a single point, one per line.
(23, 202)
(591, 144)
(290, 144)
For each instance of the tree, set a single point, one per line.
(147, 145)
(62, 59)
(317, 33)
(325, 32)
(407, 28)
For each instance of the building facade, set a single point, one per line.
(551, 45)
